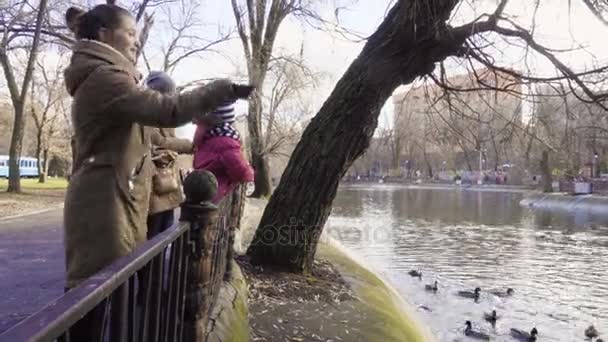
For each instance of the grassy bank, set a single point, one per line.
(340, 301)
(386, 317)
(34, 197)
(33, 184)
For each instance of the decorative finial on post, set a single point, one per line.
(198, 210)
(199, 187)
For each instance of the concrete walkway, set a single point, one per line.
(32, 269)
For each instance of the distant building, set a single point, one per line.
(438, 128)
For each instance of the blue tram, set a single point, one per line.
(28, 167)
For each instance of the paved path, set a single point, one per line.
(31, 264)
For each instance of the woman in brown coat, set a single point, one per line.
(107, 201)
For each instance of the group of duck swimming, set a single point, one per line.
(591, 333)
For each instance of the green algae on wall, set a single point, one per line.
(229, 320)
(386, 316)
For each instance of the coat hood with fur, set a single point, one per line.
(88, 56)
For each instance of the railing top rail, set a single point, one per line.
(57, 316)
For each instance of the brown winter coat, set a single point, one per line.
(107, 201)
(165, 138)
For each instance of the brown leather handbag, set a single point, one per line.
(164, 180)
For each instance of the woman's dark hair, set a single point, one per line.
(86, 25)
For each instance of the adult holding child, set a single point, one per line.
(107, 201)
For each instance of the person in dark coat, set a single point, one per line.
(165, 147)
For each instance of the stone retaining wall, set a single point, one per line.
(589, 203)
(598, 186)
(228, 321)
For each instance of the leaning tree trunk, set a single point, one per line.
(545, 169)
(259, 160)
(406, 45)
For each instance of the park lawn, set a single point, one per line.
(34, 197)
(32, 184)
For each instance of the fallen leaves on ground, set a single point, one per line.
(292, 307)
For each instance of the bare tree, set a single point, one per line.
(12, 40)
(258, 23)
(412, 39)
(182, 19)
(599, 8)
(285, 102)
(46, 110)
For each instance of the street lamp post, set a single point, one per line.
(594, 172)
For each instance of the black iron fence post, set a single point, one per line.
(201, 214)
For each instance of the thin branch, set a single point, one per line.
(596, 11)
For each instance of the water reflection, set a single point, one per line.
(555, 261)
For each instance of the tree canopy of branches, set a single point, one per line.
(15, 37)
(414, 37)
(48, 110)
(257, 24)
(188, 36)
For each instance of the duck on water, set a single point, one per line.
(591, 332)
(469, 332)
(491, 317)
(470, 294)
(523, 336)
(415, 274)
(509, 292)
(432, 288)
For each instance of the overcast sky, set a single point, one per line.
(557, 25)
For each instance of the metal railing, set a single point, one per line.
(116, 302)
(159, 292)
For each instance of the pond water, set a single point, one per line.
(557, 262)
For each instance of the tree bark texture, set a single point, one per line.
(14, 151)
(39, 133)
(412, 37)
(259, 159)
(545, 170)
(45, 166)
